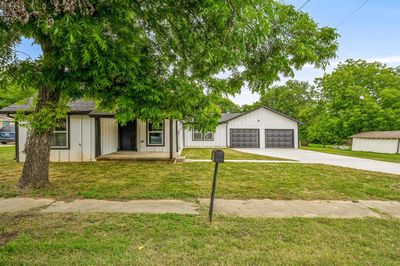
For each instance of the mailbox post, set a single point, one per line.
(217, 156)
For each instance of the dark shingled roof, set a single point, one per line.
(228, 116)
(78, 106)
(89, 107)
(378, 135)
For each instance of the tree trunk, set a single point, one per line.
(35, 173)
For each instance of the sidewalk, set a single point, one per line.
(242, 208)
(239, 161)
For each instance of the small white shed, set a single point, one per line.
(377, 141)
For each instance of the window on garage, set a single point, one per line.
(199, 136)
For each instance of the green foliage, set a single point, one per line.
(296, 99)
(48, 118)
(227, 106)
(160, 59)
(360, 96)
(11, 93)
(357, 96)
(323, 129)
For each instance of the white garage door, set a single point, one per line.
(244, 138)
(279, 138)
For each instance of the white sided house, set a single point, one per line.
(88, 135)
(377, 141)
(260, 128)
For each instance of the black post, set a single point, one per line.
(210, 212)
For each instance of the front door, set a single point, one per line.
(127, 137)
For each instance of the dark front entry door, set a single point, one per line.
(127, 137)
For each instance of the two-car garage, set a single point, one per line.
(259, 128)
(250, 138)
(262, 128)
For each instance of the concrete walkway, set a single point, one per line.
(305, 156)
(242, 208)
(91, 205)
(238, 161)
(307, 209)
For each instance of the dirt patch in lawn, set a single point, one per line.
(7, 237)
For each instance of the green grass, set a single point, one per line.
(122, 239)
(395, 158)
(205, 153)
(144, 180)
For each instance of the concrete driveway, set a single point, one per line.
(325, 158)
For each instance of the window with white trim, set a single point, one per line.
(208, 136)
(199, 136)
(155, 134)
(60, 135)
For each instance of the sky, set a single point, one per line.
(373, 34)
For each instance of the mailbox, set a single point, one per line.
(217, 156)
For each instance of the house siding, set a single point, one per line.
(219, 138)
(142, 138)
(264, 119)
(109, 135)
(82, 139)
(81, 144)
(376, 145)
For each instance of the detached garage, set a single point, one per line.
(377, 141)
(259, 128)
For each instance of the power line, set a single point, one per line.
(351, 14)
(303, 5)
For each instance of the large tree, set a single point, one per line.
(360, 96)
(151, 59)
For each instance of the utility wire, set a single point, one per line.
(303, 5)
(351, 14)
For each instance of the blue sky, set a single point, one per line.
(373, 33)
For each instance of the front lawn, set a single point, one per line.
(395, 158)
(146, 180)
(205, 153)
(122, 239)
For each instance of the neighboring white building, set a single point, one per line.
(89, 135)
(377, 141)
(259, 128)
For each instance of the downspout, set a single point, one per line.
(226, 135)
(176, 136)
(171, 139)
(97, 137)
(398, 146)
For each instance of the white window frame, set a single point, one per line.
(148, 132)
(210, 139)
(202, 136)
(197, 132)
(66, 131)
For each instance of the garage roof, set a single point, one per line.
(230, 116)
(378, 135)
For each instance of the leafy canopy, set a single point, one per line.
(360, 96)
(159, 59)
